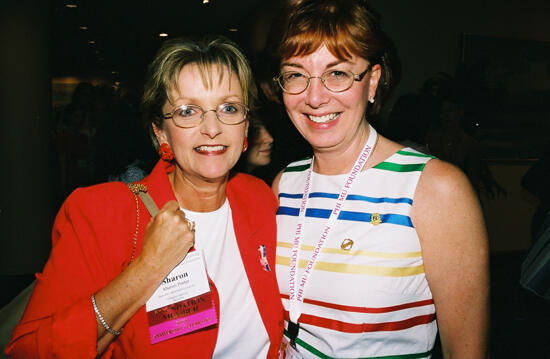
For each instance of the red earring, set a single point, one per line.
(165, 152)
(245, 144)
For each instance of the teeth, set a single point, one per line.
(209, 148)
(323, 119)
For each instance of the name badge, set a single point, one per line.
(183, 302)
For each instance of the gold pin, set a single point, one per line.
(375, 219)
(346, 244)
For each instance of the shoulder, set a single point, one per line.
(443, 180)
(99, 192)
(392, 156)
(98, 218)
(275, 184)
(246, 181)
(294, 172)
(297, 166)
(444, 202)
(99, 200)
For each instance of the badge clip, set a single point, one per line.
(293, 329)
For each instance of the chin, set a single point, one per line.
(322, 140)
(258, 164)
(213, 174)
(214, 178)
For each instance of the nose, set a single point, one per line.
(265, 136)
(316, 93)
(210, 125)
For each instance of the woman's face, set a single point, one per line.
(259, 152)
(209, 150)
(330, 120)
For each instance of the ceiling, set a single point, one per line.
(125, 34)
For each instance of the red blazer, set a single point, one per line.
(92, 244)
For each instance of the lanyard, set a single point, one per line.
(296, 295)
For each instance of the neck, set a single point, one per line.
(198, 195)
(340, 160)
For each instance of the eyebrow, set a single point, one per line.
(329, 65)
(179, 101)
(229, 96)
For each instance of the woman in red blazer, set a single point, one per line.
(112, 286)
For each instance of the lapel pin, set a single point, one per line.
(346, 244)
(375, 219)
(263, 258)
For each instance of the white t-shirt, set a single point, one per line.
(241, 331)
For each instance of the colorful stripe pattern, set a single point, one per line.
(371, 300)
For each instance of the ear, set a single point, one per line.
(160, 134)
(246, 124)
(374, 78)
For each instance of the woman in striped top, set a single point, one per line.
(379, 246)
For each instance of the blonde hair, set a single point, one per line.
(208, 53)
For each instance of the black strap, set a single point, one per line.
(293, 329)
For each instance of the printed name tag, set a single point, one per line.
(183, 302)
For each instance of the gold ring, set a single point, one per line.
(190, 224)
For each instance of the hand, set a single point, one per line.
(168, 238)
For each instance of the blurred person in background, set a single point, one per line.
(257, 160)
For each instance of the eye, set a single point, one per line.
(230, 108)
(337, 74)
(185, 111)
(293, 76)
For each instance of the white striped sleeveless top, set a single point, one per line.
(367, 296)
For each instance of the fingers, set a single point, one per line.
(170, 231)
(173, 205)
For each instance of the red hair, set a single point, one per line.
(312, 24)
(345, 27)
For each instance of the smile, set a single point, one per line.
(325, 118)
(204, 148)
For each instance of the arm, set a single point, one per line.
(167, 241)
(59, 318)
(452, 233)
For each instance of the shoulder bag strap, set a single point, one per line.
(140, 190)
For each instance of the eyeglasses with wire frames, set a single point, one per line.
(296, 82)
(189, 116)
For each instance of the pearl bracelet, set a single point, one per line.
(103, 322)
